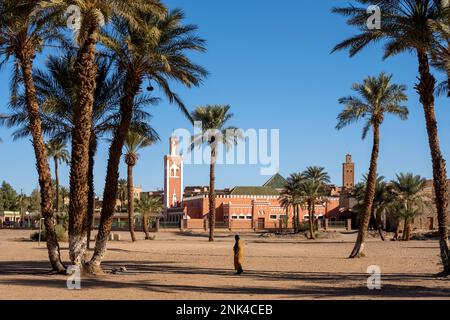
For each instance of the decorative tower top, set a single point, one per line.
(174, 146)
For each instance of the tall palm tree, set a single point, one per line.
(290, 197)
(56, 149)
(23, 33)
(314, 191)
(93, 15)
(378, 98)
(150, 206)
(214, 119)
(410, 198)
(57, 92)
(155, 50)
(134, 142)
(406, 28)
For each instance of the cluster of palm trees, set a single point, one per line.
(305, 190)
(420, 27)
(400, 200)
(91, 88)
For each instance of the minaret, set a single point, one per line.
(173, 176)
(348, 173)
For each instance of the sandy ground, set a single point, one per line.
(187, 266)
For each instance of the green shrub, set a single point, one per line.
(304, 226)
(61, 234)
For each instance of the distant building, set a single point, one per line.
(242, 207)
(348, 174)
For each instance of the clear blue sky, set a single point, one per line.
(272, 63)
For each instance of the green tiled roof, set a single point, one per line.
(276, 182)
(254, 191)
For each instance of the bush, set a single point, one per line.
(304, 226)
(61, 234)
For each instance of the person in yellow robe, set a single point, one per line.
(238, 255)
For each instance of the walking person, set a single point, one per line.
(238, 255)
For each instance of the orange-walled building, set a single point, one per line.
(254, 208)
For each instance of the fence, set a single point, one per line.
(337, 224)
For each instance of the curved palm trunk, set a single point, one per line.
(425, 88)
(212, 195)
(91, 194)
(86, 71)
(42, 165)
(369, 196)
(131, 203)
(57, 183)
(132, 86)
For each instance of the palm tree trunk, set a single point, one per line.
(145, 225)
(369, 196)
(379, 225)
(131, 202)
(86, 71)
(132, 86)
(57, 184)
(295, 225)
(298, 217)
(405, 230)
(311, 222)
(212, 195)
(91, 194)
(42, 165)
(425, 88)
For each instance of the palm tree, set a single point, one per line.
(440, 53)
(93, 15)
(379, 97)
(56, 149)
(316, 180)
(290, 197)
(409, 195)
(134, 142)
(23, 33)
(57, 92)
(156, 50)
(64, 193)
(381, 202)
(406, 28)
(150, 206)
(122, 192)
(213, 119)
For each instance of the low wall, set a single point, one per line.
(238, 224)
(194, 224)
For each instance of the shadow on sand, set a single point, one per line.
(300, 284)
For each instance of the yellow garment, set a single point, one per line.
(238, 255)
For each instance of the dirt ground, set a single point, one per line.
(187, 266)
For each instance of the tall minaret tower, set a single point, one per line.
(173, 176)
(348, 173)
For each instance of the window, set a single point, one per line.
(273, 217)
(234, 217)
(241, 217)
(174, 171)
(249, 217)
